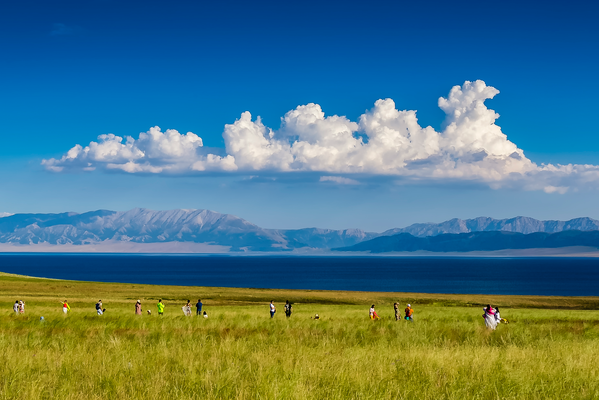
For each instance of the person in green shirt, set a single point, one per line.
(160, 306)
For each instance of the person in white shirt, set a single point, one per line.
(273, 310)
(187, 309)
(372, 313)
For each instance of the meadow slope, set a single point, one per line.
(549, 350)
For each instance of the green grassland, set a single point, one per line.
(550, 349)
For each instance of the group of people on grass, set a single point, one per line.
(288, 309)
(19, 307)
(408, 313)
(492, 317)
(186, 308)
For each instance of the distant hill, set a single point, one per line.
(476, 241)
(484, 224)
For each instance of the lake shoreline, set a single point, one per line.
(203, 249)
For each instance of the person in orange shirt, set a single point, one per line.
(409, 313)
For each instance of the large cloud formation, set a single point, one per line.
(385, 141)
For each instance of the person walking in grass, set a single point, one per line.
(187, 309)
(160, 307)
(372, 313)
(397, 313)
(199, 307)
(273, 309)
(99, 308)
(65, 307)
(409, 312)
(138, 307)
(288, 309)
(498, 317)
(15, 307)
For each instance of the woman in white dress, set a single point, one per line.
(489, 317)
(187, 309)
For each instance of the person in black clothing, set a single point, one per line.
(288, 309)
(199, 307)
(99, 308)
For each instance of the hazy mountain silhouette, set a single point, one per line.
(476, 241)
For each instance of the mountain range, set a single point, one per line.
(233, 233)
(148, 226)
(476, 241)
(484, 224)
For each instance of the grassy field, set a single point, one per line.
(550, 349)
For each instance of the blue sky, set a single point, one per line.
(74, 70)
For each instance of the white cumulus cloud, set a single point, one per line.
(153, 152)
(383, 141)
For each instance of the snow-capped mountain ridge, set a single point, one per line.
(485, 224)
(141, 225)
(148, 226)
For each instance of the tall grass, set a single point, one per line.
(239, 352)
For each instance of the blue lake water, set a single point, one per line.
(521, 276)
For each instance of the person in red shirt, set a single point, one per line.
(65, 307)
